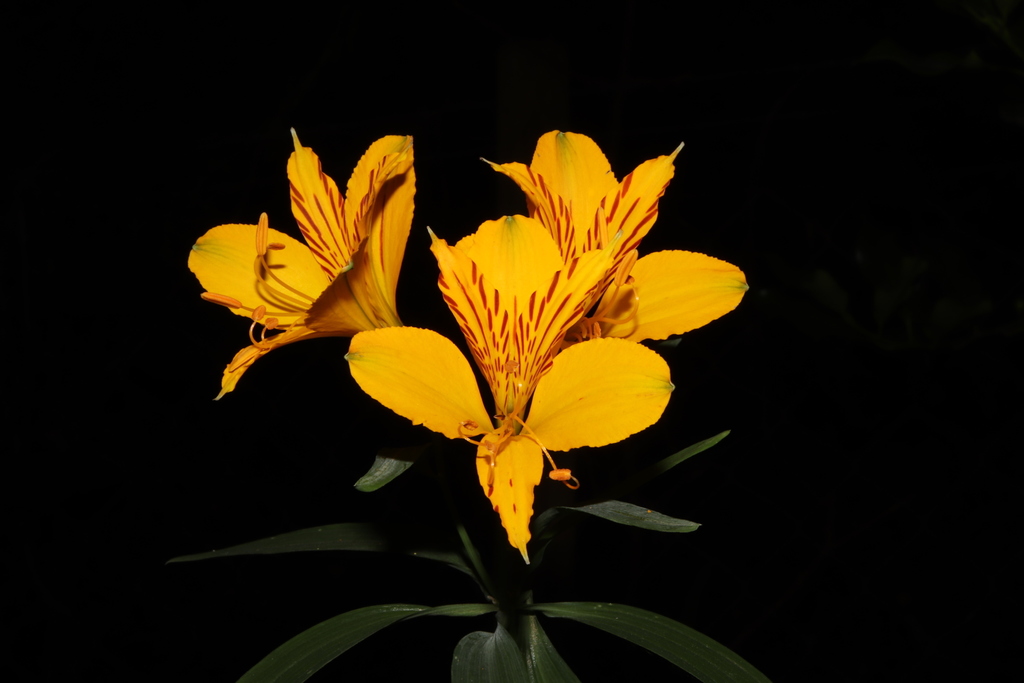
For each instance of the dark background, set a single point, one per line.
(861, 161)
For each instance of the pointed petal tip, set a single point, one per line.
(295, 139)
(526, 558)
(677, 150)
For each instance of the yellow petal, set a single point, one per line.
(575, 169)
(545, 205)
(223, 260)
(632, 206)
(516, 254)
(319, 210)
(244, 359)
(386, 224)
(340, 309)
(678, 291)
(385, 158)
(514, 337)
(564, 185)
(335, 226)
(599, 392)
(420, 375)
(508, 479)
(570, 179)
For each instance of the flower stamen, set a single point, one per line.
(221, 299)
(622, 273)
(563, 475)
(300, 302)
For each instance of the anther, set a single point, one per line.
(221, 299)
(259, 312)
(511, 365)
(565, 476)
(271, 323)
(262, 232)
(275, 246)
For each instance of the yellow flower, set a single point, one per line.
(515, 298)
(343, 282)
(571, 189)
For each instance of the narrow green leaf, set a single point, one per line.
(690, 650)
(311, 650)
(482, 657)
(469, 609)
(387, 465)
(664, 465)
(634, 515)
(408, 539)
(542, 660)
(549, 523)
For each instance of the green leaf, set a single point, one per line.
(468, 609)
(664, 465)
(549, 523)
(634, 515)
(483, 657)
(409, 539)
(704, 658)
(311, 650)
(542, 661)
(389, 463)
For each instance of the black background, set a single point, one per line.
(860, 161)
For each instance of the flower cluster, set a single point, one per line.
(552, 305)
(343, 282)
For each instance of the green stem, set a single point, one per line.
(481, 575)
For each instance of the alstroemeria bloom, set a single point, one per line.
(342, 283)
(571, 189)
(515, 298)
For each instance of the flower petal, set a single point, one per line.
(575, 168)
(420, 375)
(340, 308)
(508, 480)
(385, 158)
(244, 359)
(386, 224)
(678, 291)
(334, 227)
(514, 337)
(516, 253)
(599, 392)
(545, 205)
(223, 260)
(319, 210)
(632, 207)
(564, 185)
(570, 178)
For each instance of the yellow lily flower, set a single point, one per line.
(515, 299)
(571, 189)
(343, 282)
